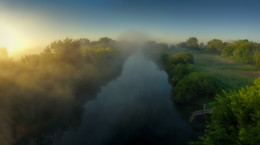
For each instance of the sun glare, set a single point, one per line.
(9, 38)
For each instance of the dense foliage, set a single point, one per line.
(181, 58)
(236, 113)
(214, 45)
(235, 118)
(189, 84)
(45, 92)
(195, 86)
(191, 43)
(242, 51)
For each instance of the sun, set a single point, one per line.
(8, 38)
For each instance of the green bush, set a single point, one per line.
(256, 57)
(179, 71)
(235, 118)
(181, 58)
(243, 51)
(194, 86)
(214, 45)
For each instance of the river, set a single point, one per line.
(134, 109)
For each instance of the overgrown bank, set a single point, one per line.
(235, 115)
(42, 93)
(235, 118)
(191, 84)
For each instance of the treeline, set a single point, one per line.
(240, 50)
(42, 93)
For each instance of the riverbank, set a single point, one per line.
(45, 92)
(133, 109)
(209, 68)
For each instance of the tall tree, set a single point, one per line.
(214, 45)
(192, 42)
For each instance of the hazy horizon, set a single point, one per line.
(129, 72)
(28, 24)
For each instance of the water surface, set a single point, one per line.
(134, 109)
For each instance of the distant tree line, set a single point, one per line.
(241, 50)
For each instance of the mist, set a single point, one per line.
(132, 109)
(45, 92)
(129, 72)
(118, 92)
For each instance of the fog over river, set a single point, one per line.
(134, 109)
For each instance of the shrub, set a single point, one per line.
(235, 118)
(195, 85)
(180, 71)
(214, 45)
(181, 58)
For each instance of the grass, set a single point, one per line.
(233, 74)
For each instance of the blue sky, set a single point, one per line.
(165, 20)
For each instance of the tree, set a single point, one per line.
(214, 45)
(241, 50)
(179, 71)
(192, 43)
(244, 51)
(67, 50)
(235, 118)
(256, 57)
(228, 49)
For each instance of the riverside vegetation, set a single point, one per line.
(219, 74)
(43, 93)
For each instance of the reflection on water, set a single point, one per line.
(134, 109)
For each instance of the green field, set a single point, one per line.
(233, 74)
